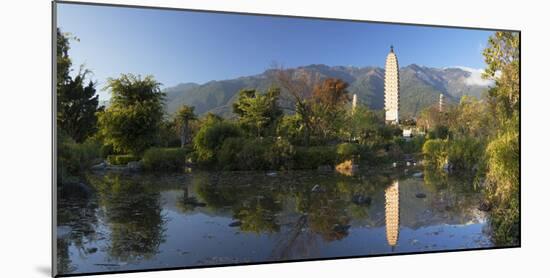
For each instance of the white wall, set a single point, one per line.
(25, 137)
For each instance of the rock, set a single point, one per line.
(324, 168)
(316, 188)
(76, 190)
(339, 228)
(420, 195)
(408, 163)
(134, 166)
(235, 224)
(271, 174)
(192, 201)
(99, 167)
(361, 200)
(484, 206)
(395, 165)
(418, 175)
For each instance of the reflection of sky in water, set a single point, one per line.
(279, 218)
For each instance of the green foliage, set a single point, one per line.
(502, 58)
(256, 154)
(280, 155)
(169, 135)
(77, 105)
(77, 102)
(164, 159)
(258, 112)
(74, 158)
(439, 132)
(132, 122)
(211, 136)
(347, 151)
(435, 153)
(470, 118)
(253, 155)
(228, 154)
(62, 58)
(290, 127)
(411, 146)
(465, 153)
(121, 159)
(182, 119)
(503, 179)
(502, 152)
(329, 108)
(313, 157)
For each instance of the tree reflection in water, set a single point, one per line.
(133, 211)
(297, 215)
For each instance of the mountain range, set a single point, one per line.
(420, 87)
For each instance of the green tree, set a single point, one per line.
(183, 117)
(131, 123)
(257, 111)
(330, 97)
(502, 58)
(77, 102)
(210, 138)
(299, 88)
(77, 105)
(63, 61)
(469, 119)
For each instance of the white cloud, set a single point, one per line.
(475, 77)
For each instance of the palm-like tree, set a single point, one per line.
(184, 116)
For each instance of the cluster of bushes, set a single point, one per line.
(465, 153)
(211, 137)
(74, 158)
(313, 157)
(413, 145)
(244, 153)
(255, 154)
(164, 159)
(461, 154)
(347, 151)
(435, 153)
(121, 159)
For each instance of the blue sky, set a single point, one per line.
(180, 46)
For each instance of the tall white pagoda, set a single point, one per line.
(391, 88)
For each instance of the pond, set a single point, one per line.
(120, 221)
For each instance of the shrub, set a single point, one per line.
(435, 153)
(211, 136)
(413, 145)
(466, 153)
(280, 155)
(439, 132)
(164, 159)
(313, 157)
(252, 155)
(74, 158)
(503, 178)
(228, 153)
(347, 151)
(121, 159)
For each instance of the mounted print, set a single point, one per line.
(190, 138)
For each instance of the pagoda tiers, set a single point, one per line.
(392, 213)
(441, 103)
(391, 88)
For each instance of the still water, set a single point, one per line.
(117, 221)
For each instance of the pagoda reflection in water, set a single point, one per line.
(392, 214)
